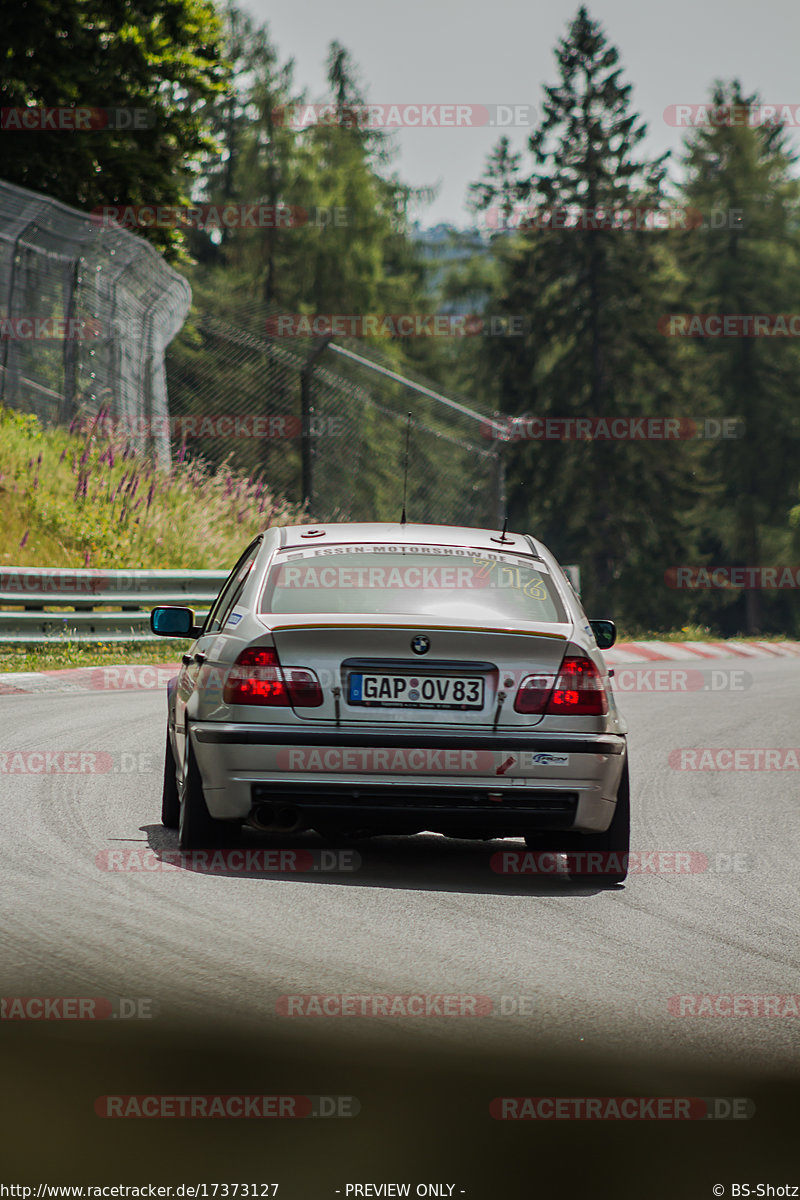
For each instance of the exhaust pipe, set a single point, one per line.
(276, 818)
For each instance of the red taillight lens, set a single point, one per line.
(578, 689)
(257, 678)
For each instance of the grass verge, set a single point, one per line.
(85, 497)
(77, 654)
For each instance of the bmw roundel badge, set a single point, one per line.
(420, 644)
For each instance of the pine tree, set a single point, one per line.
(592, 290)
(498, 191)
(739, 175)
(257, 152)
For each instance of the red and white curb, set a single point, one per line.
(646, 652)
(118, 677)
(127, 677)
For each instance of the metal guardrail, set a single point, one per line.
(47, 605)
(51, 605)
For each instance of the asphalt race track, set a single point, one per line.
(581, 991)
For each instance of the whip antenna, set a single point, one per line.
(405, 471)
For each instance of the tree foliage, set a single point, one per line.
(162, 57)
(745, 260)
(592, 291)
(556, 254)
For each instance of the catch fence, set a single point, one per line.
(327, 421)
(93, 323)
(86, 313)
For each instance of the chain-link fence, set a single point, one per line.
(328, 422)
(86, 313)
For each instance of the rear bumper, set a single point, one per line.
(472, 782)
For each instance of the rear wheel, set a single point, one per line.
(197, 829)
(612, 846)
(170, 800)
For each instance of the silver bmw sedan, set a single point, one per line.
(358, 679)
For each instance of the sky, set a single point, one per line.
(500, 52)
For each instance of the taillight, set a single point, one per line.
(578, 689)
(257, 678)
(532, 694)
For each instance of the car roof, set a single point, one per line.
(409, 534)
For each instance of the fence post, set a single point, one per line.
(67, 405)
(306, 418)
(501, 500)
(6, 342)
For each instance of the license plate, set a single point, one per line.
(416, 691)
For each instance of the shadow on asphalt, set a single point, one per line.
(423, 862)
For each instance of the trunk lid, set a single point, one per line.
(382, 681)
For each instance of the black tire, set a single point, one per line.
(170, 800)
(197, 829)
(615, 841)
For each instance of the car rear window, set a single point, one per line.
(419, 581)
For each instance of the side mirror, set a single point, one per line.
(174, 622)
(605, 633)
